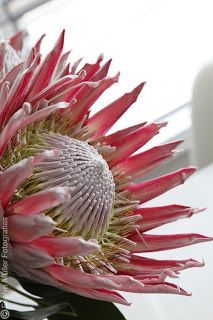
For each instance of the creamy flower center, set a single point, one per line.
(80, 166)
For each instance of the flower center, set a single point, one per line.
(99, 208)
(79, 165)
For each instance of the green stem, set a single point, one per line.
(67, 313)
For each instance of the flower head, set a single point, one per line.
(76, 213)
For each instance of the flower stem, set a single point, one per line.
(73, 314)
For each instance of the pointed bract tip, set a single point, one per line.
(193, 168)
(198, 210)
(179, 151)
(60, 40)
(82, 74)
(27, 108)
(187, 172)
(182, 292)
(194, 263)
(100, 58)
(138, 89)
(116, 77)
(38, 43)
(200, 238)
(178, 141)
(162, 124)
(16, 41)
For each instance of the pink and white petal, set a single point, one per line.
(31, 257)
(151, 166)
(65, 71)
(114, 137)
(134, 141)
(29, 59)
(75, 277)
(146, 212)
(69, 92)
(150, 189)
(62, 89)
(43, 113)
(122, 283)
(139, 164)
(75, 66)
(157, 216)
(57, 88)
(13, 124)
(11, 76)
(138, 174)
(109, 295)
(102, 72)
(41, 201)
(4, 94)
(150, 243)
(2, 57)
(176, 265)
(16, 41)
(44, 73)
(17, 95)
(140, 265)
(164, 287)
(87, 97)
(15, 175)
(33, 274)
(102, 121)
(81, 279)
(91, 69)
(52, 89)
(60, 65)
(22, 118)
(42, 276)
(37, 46)
(24, 229)
(156, 278)
(98, 294)
(19, 269)
(126, 283)
(12, 177)
(66, 246)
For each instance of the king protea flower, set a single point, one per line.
(76, 214)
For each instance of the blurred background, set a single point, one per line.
(163, 42)
(169, 45)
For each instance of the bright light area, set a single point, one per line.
(162, 42)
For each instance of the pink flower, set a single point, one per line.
(77, 218)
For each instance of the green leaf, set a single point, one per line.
(88, 309)
(42, 313)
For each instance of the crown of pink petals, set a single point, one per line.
(77, 216)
